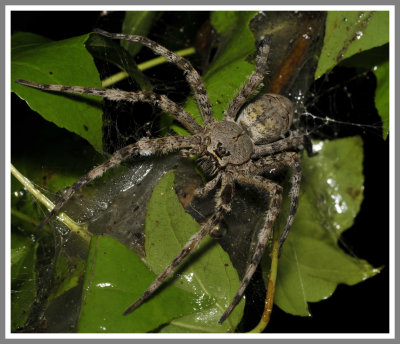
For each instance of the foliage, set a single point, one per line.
(23, 278)
(115, 276)
(382, 94)
(312, 264)
(355, 34)
(35, 57)
(194, 300)
(237, 44)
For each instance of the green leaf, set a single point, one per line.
(24, 213)
(115, 277)
(312, 264)
(237, 42)
(191, 301)
(111, 51)
(382, 95)
(376, 60)
(21, 41)
(21, 252)
(68, 274)
(368, 59)
(51, 166)
(66, 62)
(137, 23)
(23, 278)
(208, 271)
(350, 32)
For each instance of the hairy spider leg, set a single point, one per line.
(223, 206)
(275, 192)
(143, 148)
(288, 143)
(279, 161)
(192, 76)
(118, 95)
(253, 81)
(204, 190)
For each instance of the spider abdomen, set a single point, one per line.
(267, 119)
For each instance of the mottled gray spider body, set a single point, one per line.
(229, 152)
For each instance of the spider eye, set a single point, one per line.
(221, 151)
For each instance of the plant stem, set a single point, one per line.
(78, 228)
(269, 298)
(143, 66)
(24, 217)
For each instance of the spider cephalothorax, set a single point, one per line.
(232, 151)
(226, 144)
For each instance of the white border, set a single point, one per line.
(392, 260)
(7, 145)
(7, 21)
(198, 8)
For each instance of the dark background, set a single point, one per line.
(361, 308)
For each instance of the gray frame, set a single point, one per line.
(160, 2)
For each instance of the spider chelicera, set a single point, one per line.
(239, 149)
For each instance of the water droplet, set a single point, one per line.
(318, 146)
(340, 204)
(105, 285)
(188, 277)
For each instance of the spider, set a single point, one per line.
(237, 150)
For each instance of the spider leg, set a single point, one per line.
(224, 198)
(275, 192)
(203, 191)
(143, 147)
(117, 95)
(288, 143)
(192, 76)
(291, 160)
(253, 81)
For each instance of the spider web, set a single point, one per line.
(126, 190)
(126, 123)
(338, 105)
(325, 110)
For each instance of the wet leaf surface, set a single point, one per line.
(65, 62)
(351, 32)
(312, 262)
(208, 271)
(115, 277)
(193, 300)
(382, 95)
(23, 278)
